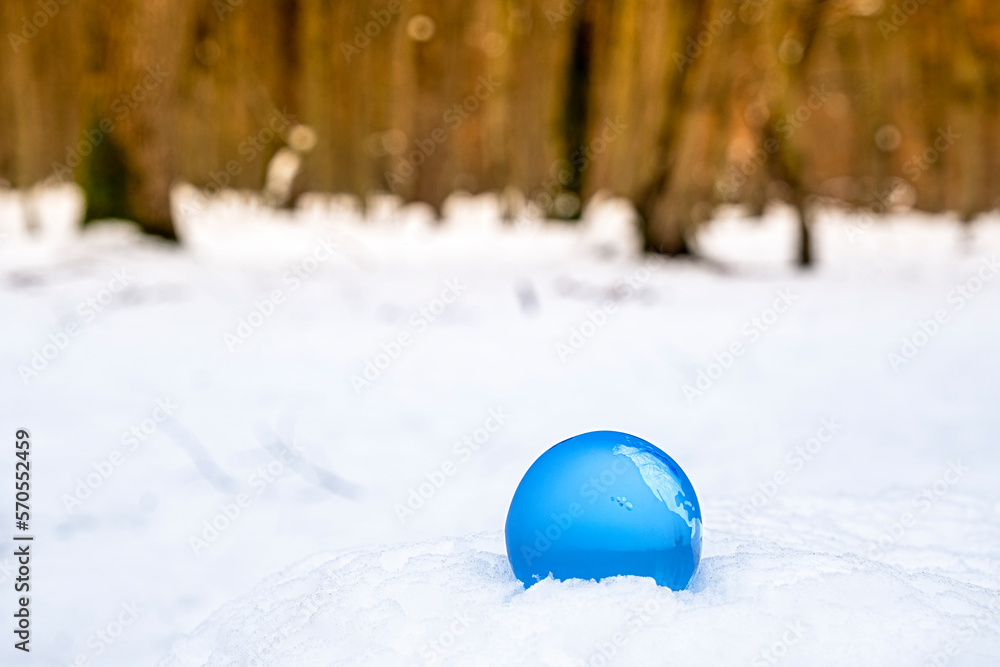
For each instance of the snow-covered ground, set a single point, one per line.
(232, 440)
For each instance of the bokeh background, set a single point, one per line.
(870, 103)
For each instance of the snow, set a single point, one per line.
(453, 602)
(850, 508)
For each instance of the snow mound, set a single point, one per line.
(755, 600)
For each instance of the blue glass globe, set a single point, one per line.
(604, 504)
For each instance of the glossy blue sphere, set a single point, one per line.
(604, 504)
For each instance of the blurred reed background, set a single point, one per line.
(679, 106)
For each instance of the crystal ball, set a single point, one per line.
(604, 504)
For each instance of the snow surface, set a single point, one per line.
(805, 562)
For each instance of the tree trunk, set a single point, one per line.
(136, 162)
